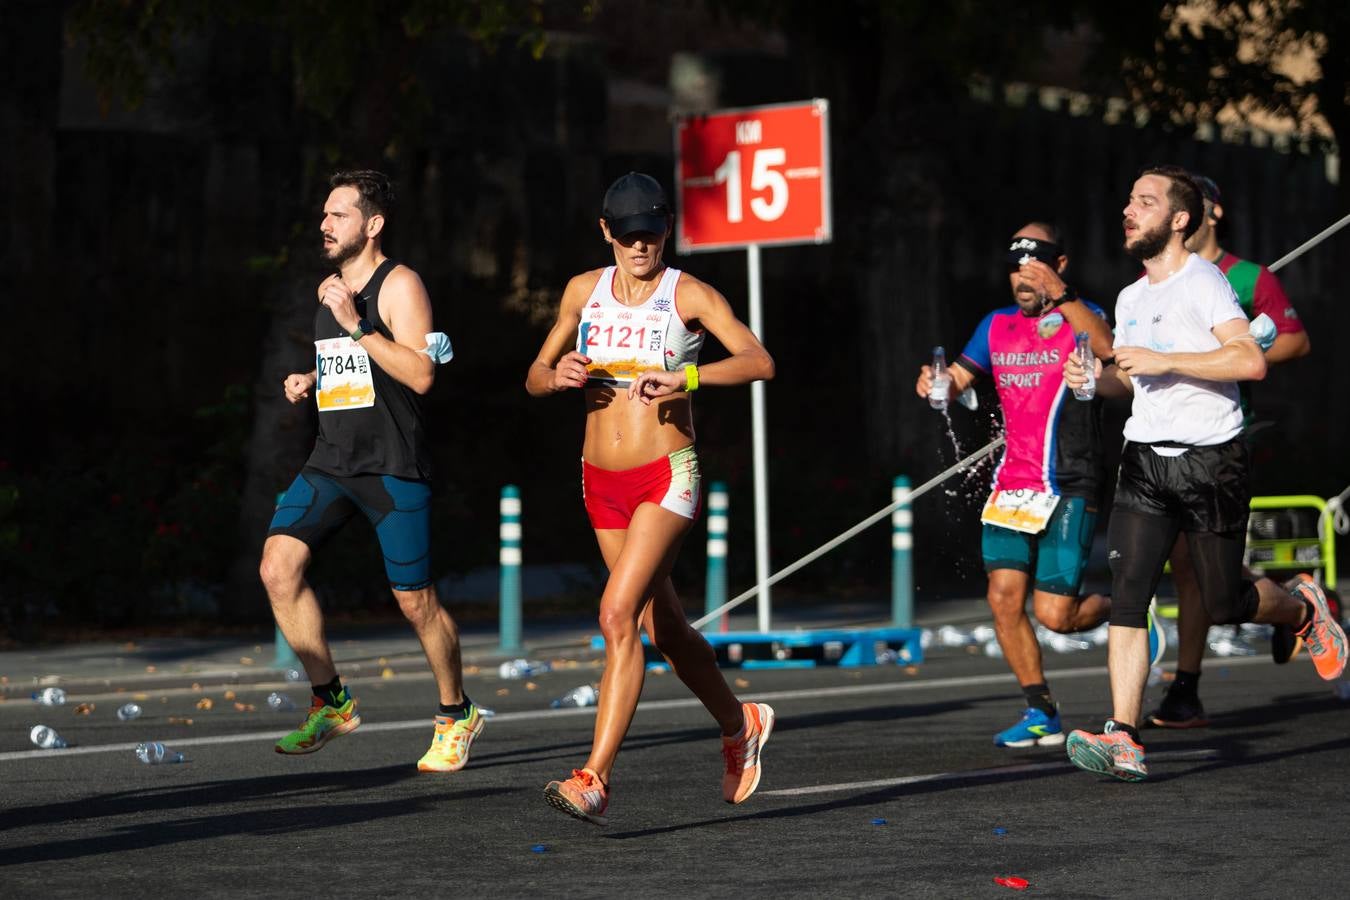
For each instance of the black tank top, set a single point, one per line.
(387, 437)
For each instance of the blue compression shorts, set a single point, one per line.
(317, 504)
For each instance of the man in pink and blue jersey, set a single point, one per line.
(1040, 519)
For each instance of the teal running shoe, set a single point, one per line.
(1035, 729)
(1157, 638)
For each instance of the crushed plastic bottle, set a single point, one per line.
(1083, 344)
(1230, 645)
(951, 636)
(1101, 635)
(887, 657)
(585, 695)
(153, 753)
(993, 650)
(983, 634)
(279, 702)
(942, 381)
(47, 738)
(521, 668)
(52, 696)
(128, 711)
(293, 675)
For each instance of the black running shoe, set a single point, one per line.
(1178, 712)
(1284, 643)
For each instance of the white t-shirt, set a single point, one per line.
(1177, 315)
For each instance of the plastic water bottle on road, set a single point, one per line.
(579, 696)
(52, 696)
(1083, 344)
(47, 738)
(942, 381)
(521, 668)
(279, 702)
(153, 753)
(129, 711)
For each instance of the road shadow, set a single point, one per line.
(307, 791)
(875, 715)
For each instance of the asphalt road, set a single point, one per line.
(877, 783)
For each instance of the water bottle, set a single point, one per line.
(521, 668)
(47, 738)
(52, 696)
(293, 675)
(128, 712)
(578, 696)
(1083, 343)
(942, 381)
(153, 753)
(279, 702)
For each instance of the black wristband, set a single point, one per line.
(1063, 298)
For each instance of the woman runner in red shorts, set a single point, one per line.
(629, 335)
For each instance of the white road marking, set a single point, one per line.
(1161, 756)
(531, 715)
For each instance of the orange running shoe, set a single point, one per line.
(1322, 634)
(742, 752)
(1111, 753)
(583, 795)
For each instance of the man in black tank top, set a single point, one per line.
(375, 356)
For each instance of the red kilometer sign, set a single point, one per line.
(758, 175)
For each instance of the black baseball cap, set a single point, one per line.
(635, 203)
(1208, 189)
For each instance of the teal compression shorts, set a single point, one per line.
(1057, 556)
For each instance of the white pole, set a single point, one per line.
(759, 440)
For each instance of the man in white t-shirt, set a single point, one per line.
(1181, 345)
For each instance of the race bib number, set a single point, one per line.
(1021, 510)
(622, 343)
(344, 380)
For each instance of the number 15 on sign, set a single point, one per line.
(758, 175)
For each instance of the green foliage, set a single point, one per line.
(339, 54)
(93, 541)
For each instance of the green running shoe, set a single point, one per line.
(324, 723)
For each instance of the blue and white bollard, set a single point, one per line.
(716, 590)
(510, 559)
(902, 562)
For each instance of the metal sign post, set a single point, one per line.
(752, 177)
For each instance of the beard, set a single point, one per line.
(1149, 243)
(337, 254)
(1028, 301)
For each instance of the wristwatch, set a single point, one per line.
(1064, 297)
(363, 328)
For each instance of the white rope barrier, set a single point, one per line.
(1308, 244)
(1335, 511)
(861, 526)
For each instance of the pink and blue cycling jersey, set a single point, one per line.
(1054, 440)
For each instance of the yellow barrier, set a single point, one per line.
(1305, 553)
